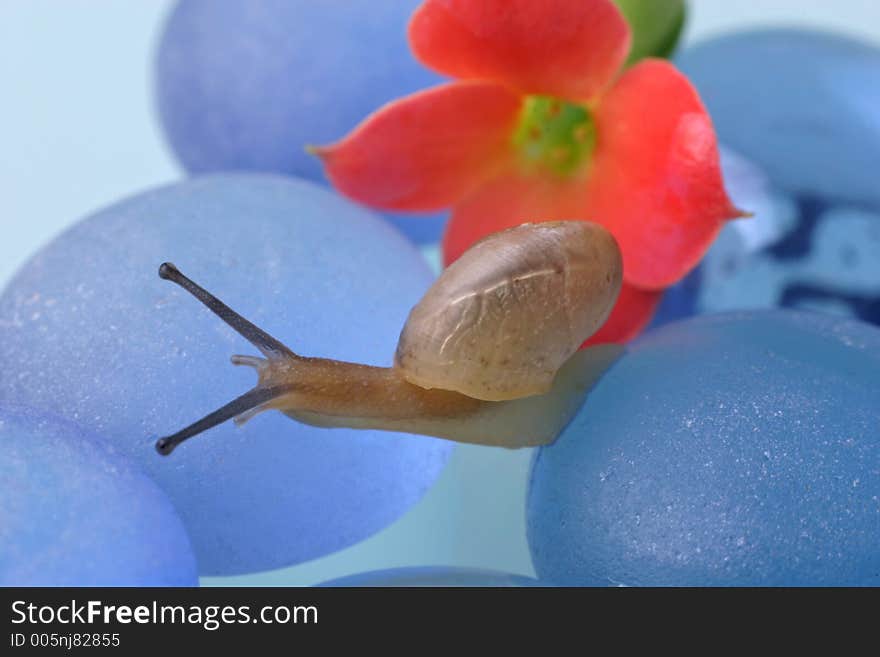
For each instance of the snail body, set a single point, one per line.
(489, 355)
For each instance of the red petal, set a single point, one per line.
(509, 200)
(655, 180)
(565, 48)
(629, 317)
(428, 150)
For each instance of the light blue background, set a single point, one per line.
(78, 131)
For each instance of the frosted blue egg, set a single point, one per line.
(247, 84)
(433, 576)
(730, 449)
(76, 513)
(89, 331)
(804, 105)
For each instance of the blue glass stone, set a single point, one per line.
(76, 513)
(89, 331)
(248, 84)
(730, 449)
(432, 576)
(804, 105)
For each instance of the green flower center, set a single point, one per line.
(555, 135)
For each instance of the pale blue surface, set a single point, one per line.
(76, 513)
(802, 104)
(247, 84)
(89, 331)
(733, 449)
(433, 576)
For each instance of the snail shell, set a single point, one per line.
(502, 319)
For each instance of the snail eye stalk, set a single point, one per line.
(249, 331)
(247, 402)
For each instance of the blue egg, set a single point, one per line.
(248, 84)
(804, 105)
(433, 576)
(89, 331)
(730, 449)
(75, 513)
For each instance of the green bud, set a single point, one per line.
(656, 26)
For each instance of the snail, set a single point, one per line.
(489, 355)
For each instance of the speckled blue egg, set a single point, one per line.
(433, 576)
(75, 513)
(89, 331)
(804, 105)
(247, 84)
(730, 449)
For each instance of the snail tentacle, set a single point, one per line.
(253, 399)
(249, 361)
(267, 344)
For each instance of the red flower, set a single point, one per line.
(543, 125)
